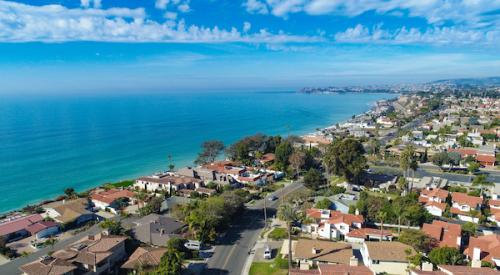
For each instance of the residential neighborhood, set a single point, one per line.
(390, 191)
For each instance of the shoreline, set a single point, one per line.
(317, 131)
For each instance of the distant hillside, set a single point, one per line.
(485, 81)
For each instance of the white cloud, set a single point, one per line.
(52, 23)
(403, 35)
(170, 15)
(161, 4)
(246, 26)
(184, 8)
(87, 3)
(255, 6)
(467, 12)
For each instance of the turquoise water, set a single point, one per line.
(50, 143)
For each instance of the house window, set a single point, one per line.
(375, 262)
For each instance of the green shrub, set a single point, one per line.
(278, 234)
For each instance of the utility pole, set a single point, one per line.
(265, 212)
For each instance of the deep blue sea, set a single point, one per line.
(53, 142)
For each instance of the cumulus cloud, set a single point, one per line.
(87, 3)
(255, 6)
(247, 26)
(51, 23)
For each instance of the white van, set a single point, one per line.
(267, 253)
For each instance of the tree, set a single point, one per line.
(418, 240)
(469, 228)
(70, 193)
(113, 227)
(482, 181)
(374, 146)
(297, 160)
(323, 204)
(210, 150)
(282, 155)
(140, 196)
(170, 262)
(446, 256)
(346, 158)
(313, 179)
(381, 216)
(472, 167)
(153, 206)
(454, 159)
(289, 214)
(440, 159)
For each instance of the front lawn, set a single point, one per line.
(266, 269)
(278, 234)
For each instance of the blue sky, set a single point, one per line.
(68, 46)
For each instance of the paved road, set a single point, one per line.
(232, 251)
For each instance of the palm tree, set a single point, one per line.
(289, 214)
(140, 196)
(399, 211)
(382, 215)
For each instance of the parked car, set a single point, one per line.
(272, 198)
(267, 253)
(193, 245)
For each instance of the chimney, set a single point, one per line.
(426, 266)
(476, 258)
(353, 261)
(356, 212)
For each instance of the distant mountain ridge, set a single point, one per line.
(482, 81)
(433, 86)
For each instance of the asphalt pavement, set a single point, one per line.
(232, 250)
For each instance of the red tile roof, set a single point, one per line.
(112, 195)
(18, 224)
(495, 203)
(464, 199)
(343, 269)
(489, 245)
(441, 206)
(464, 151)
(39, 226)
(486, 159)
(440, 193)
(445, 233)
(339, 217)
(467, 270)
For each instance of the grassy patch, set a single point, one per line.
(334, 180)
(278, 234)
(382, 195)
(266, 269)
(121, 184)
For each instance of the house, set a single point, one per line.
(456, 270)
(205, 191)
(70, 212)
(156, 229)
(494, 210)
(330, 224)
(145, 257)
(368, 234)
(466, 270)
(334, 269)
(112, 199)
(486, 160)
(312, 252)
(267, 159)
(167, 182)
(389, 257)
(435, 208)
(484, 248)
(43, 229)
(463, 206)
(446, 234)
(16, 227)
(433, 195)
(223, 172)
(94, 254)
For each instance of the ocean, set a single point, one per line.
(53, 142)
